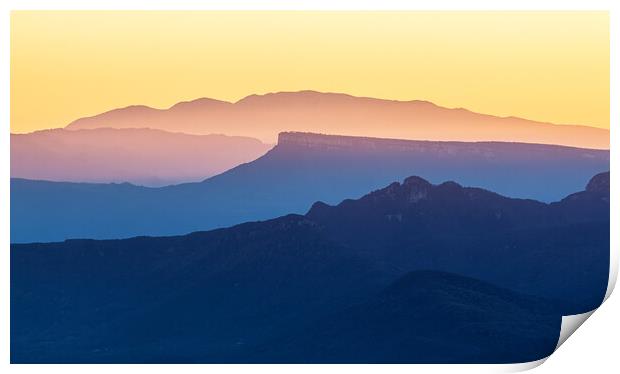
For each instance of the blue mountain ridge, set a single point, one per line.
(301, 169)
(412, 272)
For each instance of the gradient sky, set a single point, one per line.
(546, 66)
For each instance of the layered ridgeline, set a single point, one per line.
(141, 156)
(413, 272)
(264, 116)
(301, 169)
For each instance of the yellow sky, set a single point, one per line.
(547, 66)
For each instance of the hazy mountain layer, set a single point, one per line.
(264, 116)
(139, 156)
(301, 169)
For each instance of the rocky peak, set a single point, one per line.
(416, 182)
(599, 183)
(416, 188)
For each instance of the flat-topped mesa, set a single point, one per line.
(324, 141)
(295, 139)
(308, 139)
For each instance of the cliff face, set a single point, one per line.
(313, 140)
(488, 149)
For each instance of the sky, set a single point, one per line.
(545, 66)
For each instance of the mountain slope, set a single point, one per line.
(140, 156)
(428, 317)
(264, 116)
(294, 289)
(301, 169)
(195, 298)
(417, 225)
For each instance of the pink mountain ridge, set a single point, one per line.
(140, 156)
(154, 147)
(264, 116)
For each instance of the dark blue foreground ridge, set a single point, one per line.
(413, 273)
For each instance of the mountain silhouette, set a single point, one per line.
(427, 317)
(197, 298)
(139, 156)
(417, 225)
(301, 169)
(264, 116)
(339, 284)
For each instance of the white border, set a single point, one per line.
(608, 326)
(310, 5)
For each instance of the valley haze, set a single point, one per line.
(139, 156)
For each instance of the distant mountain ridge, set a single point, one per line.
(412, 272)
(300, 170)
(361, 143)
(140, 156)
(264, 116)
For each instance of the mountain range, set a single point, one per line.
(426, 317)
(301, 169)
(264, 116)
(140, 156)
(412, 272)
